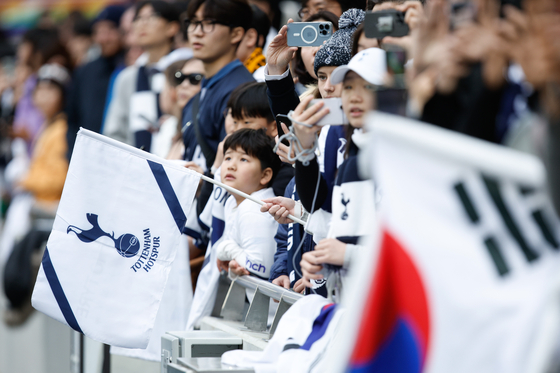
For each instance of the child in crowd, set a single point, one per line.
(249, 165)
(247, 108)
(170, 105)
(352, 197)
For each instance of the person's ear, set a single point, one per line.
(172, 29)
(266, 176)
(272, 129)
(251, 38)
(236, 34)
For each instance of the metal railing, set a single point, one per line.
(257, 316)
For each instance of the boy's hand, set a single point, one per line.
(223, 265)
(299, 286)
(278, 54)
(283, 281)
(237, 269)
(279, 208)
(282, 151)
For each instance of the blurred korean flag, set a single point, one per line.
(115, 236)
(464, 276)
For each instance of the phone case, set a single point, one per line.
(336, 116)
(308, 34)
(383, 23)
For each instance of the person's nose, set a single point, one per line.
(356, 96)
(329, 87)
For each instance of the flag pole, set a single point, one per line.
(245, 195)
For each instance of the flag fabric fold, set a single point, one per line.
(114, 239)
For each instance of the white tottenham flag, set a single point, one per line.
(464, 276)
(115, 236)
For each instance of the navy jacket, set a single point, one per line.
(288, 238)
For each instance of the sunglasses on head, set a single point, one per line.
(194, 78)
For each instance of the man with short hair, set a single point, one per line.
(85, 105)
(134, 109)
(215, 29)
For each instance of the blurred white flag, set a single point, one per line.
(465, 274)
(114, 239)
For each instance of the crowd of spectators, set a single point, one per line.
(203, 81)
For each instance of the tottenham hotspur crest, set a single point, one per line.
(127, 245)
(344, 202)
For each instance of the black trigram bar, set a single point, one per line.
(538, 216)
(490, 243)
(494, 191)
(467, 202)
(496, 254)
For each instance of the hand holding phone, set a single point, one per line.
(309, 34)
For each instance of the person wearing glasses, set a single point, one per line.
(134, 109)
(183, 78)
(215, 28)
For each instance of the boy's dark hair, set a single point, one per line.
(172, 69)
(233, 13)
(261, 23)
(257, 144)
(166, 10)
(250, 100)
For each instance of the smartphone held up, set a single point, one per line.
(308, 34)
(382, 23)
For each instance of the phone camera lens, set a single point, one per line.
(321, 27)
(326, 26)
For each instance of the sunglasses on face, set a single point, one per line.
(194, 79)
